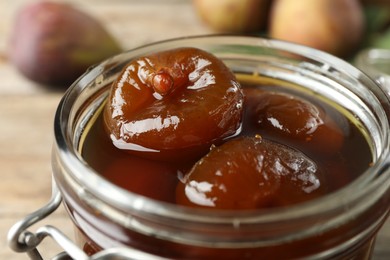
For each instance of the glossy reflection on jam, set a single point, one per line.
(161, 180)
(179, 127)
(250, 173)
(173, 105)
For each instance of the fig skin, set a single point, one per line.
(232, 16)
(199, 104)
(250, 173)
(296, 121)
(333, 26)
(54, 43)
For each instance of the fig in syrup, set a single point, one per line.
(296, 120)
(250, 173)
(173, 104)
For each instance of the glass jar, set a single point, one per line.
(341, 225)
(376, 63)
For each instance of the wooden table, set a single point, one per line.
(27, 110)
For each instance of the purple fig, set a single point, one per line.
(54, 43)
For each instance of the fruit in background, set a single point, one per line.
(233, 16)
(334, 26)
(54, 43)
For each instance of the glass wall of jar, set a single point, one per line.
(339, 225)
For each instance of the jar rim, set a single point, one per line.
(93, 184)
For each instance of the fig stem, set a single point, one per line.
(162, 83)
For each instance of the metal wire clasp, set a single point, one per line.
(20, 239)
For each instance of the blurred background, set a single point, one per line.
(36, 37)
(41, 42)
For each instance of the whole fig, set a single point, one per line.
(173, 105)
(233, 16)
(334, 26)
(54, 43)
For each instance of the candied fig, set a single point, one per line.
(169, 103)
(297, 121)
(54, 43)
(250, 173)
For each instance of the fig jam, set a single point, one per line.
(341, 163)
(341, 155)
